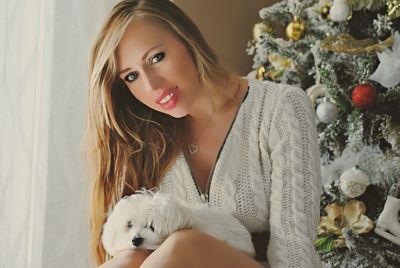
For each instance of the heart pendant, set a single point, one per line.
(193, 148)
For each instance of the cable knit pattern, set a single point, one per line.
(267, 173)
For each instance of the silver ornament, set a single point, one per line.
(327, 112)
(339, 11)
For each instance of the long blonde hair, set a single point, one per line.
(126, 144)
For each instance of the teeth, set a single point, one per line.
(167, 98)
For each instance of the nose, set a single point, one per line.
(137, 241)
(151, 80)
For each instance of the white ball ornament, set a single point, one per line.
(354, 182)
(327, 112)
(339, 11)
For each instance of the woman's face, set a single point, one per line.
(157, 68)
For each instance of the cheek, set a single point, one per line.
(179, 63)
(144, 97)
(184, 67)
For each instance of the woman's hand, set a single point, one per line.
(127, 259)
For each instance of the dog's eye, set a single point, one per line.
(151, 227)
(129, 224)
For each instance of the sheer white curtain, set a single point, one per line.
(44, 49)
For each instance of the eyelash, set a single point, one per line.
(159, 56)
(150, 226)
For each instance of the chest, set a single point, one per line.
(238, 185)
(202, 162)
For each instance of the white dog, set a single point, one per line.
(145, 219)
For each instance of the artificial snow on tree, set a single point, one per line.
(346, 51)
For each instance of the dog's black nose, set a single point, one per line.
(137, 241)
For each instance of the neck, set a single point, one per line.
(204, 108)
(204, 116)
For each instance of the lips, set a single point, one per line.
(168, 99)
(165, 93)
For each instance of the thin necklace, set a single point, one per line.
(194, 147)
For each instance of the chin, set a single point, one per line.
(177, 112)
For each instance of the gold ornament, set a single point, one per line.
(260, 73)
(350, 216)
(350, 15)
(279, 62)
(316, 91)
(274, 75)
(324, 10)
(345, 43)
(295, 29)
(393, 9)
(262, 27)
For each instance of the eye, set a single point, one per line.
(129, 225)
(157, 58)
(131, 77)
(150, 226)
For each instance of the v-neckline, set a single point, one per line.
(205, 196)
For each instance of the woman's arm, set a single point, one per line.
(182, 249)
(295, 181)
(194, 249)
(127, 259)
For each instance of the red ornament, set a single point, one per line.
(363, 96)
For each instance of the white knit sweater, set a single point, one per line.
(267, 172)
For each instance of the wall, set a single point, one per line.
(227, 25)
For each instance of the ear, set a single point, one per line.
(108, 236)
(110, 228)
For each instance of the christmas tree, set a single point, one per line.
(346, 55)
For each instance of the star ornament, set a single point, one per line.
(387, 73)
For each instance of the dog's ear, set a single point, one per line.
(113, 225)
(108, 235)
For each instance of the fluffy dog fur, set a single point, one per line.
(145, 219)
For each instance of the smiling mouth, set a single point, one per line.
(170, 100)
(167, 98)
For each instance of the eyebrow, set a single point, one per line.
(143, 57)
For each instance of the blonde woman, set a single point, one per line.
(164, 113)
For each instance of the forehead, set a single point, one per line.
(141, 35)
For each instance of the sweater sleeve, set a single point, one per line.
(295, 181)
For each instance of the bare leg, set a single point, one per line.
(190, 248)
